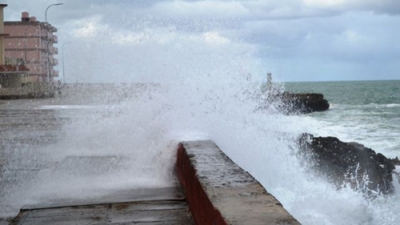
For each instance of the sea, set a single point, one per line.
(367, 112)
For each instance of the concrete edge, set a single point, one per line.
(219, 192)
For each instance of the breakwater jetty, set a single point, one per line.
(295, 103)
(301, 103)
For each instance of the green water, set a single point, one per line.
(364, 111)
(352, 92)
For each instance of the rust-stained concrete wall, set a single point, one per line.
(219, 192)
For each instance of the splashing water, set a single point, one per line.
(193, 90)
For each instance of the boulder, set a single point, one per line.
(300, 103)
(349, 164)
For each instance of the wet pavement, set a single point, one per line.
(158, 206)
(22, 128)
(28, 125)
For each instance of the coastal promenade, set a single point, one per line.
(208, 189)
(27, 125)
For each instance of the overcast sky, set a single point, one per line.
(296, 40)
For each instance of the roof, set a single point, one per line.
(44, 25)
(13, 68)
(21, 23)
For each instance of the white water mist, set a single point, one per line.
(197, 87)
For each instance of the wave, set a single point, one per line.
(370, 105)
(393, 105)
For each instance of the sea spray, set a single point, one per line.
(138, 138)
(196, 87)
(130, 144)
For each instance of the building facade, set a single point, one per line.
(30, 43)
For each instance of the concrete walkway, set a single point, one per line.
(139, 207)
(26, 124)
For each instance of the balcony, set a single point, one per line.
(44, 34)
(53, 50)
(53, 61)
(54, 73)
(55, 39)
(47, 35)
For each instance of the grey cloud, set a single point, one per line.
(282, 30)
(381, 6)
(223, 9)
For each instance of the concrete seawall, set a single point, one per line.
(219, 192)
(213, 190)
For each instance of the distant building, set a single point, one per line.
(11, 76)
(29, 43)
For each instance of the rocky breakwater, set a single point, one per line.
(351, 164)
(300, 103)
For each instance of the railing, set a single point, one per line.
(55, 39)
(55, 73)
(54, 51)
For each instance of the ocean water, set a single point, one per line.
(367, 112)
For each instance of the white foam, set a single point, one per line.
(393, 105)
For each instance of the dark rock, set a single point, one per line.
(395, 161)
(303, 102)
(349, 164)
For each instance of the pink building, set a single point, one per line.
(30, 43)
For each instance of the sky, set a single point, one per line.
(296, 40)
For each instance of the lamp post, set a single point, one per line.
(48, 43)
(45, 13)
(63, 67)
